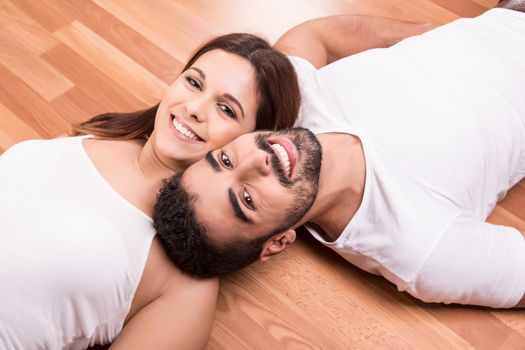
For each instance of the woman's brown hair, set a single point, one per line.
(277, 88)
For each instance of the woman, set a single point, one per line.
(81, 265)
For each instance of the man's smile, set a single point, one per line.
(286, 152)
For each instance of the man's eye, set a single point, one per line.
(194, 83)
(225, 160)
(248, 199)
(227, 110)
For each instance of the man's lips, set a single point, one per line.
(183, 130)
(287, 153)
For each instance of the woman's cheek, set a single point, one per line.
(224, 135)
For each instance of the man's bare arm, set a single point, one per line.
(324, 40)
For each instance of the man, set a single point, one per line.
(419, 143)
(266, 202)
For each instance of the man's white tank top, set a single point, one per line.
(72, 250)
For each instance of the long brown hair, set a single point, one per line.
(278, 93)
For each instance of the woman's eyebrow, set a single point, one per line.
(199, 71)
(234, 100)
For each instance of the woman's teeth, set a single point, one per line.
(180, 128)
(283, 155)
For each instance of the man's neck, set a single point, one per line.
(341, 184)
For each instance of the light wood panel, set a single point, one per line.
(62, 61)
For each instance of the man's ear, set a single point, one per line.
(277, 243)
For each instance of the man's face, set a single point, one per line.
(261, 183)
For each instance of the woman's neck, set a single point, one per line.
(131, 168)
(152, 167)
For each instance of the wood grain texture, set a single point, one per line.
(62, 61)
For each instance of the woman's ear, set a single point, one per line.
(277, 243)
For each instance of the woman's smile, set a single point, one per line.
(183, 131)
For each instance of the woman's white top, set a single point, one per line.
(72, 250)
(441, 117)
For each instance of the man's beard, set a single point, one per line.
(305, 184)
(186, 242)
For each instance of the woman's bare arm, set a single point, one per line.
(324, 40)
(181, 318)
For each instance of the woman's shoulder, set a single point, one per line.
(38, 143)
(94, 146)
(42, 147)
(24, 147)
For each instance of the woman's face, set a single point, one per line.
(209, 105)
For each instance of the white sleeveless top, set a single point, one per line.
(72, 250)
(441, 117)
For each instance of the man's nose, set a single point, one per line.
(257, 163)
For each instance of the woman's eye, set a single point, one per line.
(228, 111)
(225, 160)
(194, 83)
(248, 200)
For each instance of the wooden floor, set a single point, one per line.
(62, 61)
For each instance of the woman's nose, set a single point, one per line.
(197, 109)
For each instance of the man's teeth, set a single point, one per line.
(180, 128)
(283, 155)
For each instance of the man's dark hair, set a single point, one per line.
(185, 241)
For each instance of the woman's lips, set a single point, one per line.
(183, 130)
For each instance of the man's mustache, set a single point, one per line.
(262, 144)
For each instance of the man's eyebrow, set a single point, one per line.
(237, 208)
(234, 100)
(211, 159)
(199, 71)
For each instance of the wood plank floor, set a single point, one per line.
(62, 61)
